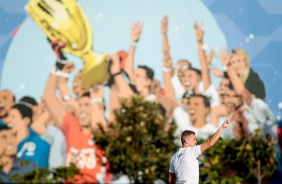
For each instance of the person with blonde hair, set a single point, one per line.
(240, 62)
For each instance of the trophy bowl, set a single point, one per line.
(65, 20)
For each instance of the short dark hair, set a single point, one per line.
(28, 99)
(4, 126)
(86, 94)
(196, 70)
(205, 99)
(14, 97)
(185, 134)
(188, 94)
(149, 71)
(24, 110)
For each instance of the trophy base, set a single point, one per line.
(95, 73)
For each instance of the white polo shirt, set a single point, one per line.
(184, 163)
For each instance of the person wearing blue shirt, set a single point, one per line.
(10, 165)
(30, 145)
(49, 133)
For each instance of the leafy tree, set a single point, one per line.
(136, 144)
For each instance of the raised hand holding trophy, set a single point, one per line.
(66, 21)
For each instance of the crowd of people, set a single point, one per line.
(57, 130)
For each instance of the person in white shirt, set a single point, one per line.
(184, 166)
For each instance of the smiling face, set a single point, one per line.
(238, 63)
(141, 80)
(190, 80)
(8, 142)
(197, 109)
(84, 112)
(182, 66)
(77, 84)
(16, 120)
(6, 102)
(223, 87)
(232, 100)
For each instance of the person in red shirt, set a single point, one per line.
(77, 129)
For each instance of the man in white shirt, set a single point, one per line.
(184, 166)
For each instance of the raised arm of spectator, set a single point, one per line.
(53, 104)
(202, 56)
(122, 86)
(166, 47)
(135, 34)
(63, 82)
(39, 125)
(239, 86)
(70, 103)
(234, 78)
(169, 91)
(97, 107)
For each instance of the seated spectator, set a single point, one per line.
(11, 166)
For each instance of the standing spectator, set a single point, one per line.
(50, 133)
(77, 129)
(30, 145)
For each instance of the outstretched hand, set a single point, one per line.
(199, 31)
(223, 56)
(164, 25)
(136, 31)
(227, 120)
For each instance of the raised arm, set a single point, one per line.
(39, 125)
(169, 91)
(135, 34)
(166, 47)
(239, 86)
(56, 109)
(63, 82)
(202, 56)
(234, 78)
(212, 140)
(124, 91)
(97, 107)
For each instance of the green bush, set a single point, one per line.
(136, 144)
(247, 160)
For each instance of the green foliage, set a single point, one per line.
(136, 144)
(239, 160)
(58, 175)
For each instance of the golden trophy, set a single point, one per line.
(65, 20)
